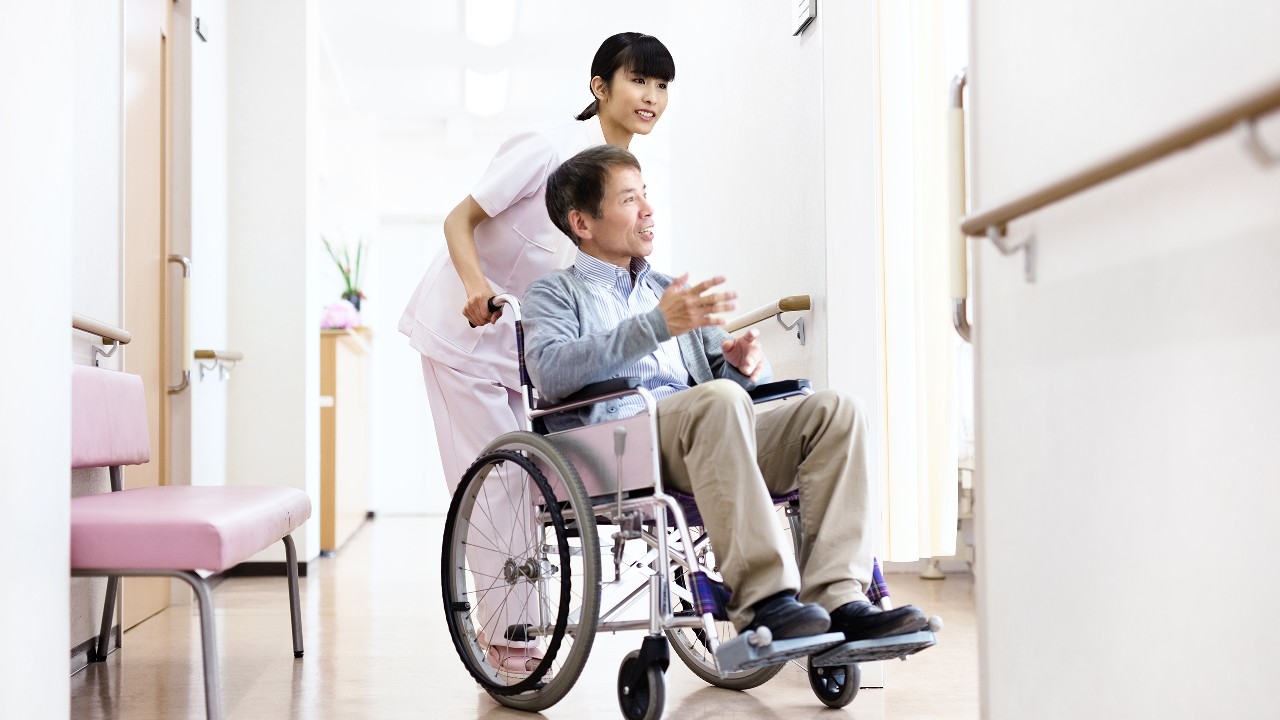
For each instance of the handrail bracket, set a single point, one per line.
(98, 353)
(1265, 156)
(798, 326)
(219, 361)
(1027, 245)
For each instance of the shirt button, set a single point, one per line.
(613, 409)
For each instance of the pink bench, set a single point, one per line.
(171, 530)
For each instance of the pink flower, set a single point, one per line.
(340, 314)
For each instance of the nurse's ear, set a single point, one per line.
(599, 88)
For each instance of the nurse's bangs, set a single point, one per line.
(649, 57)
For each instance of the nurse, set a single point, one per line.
(499, 239)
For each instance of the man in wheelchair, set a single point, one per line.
(611, 315)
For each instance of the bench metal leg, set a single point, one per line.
(108, 614)
(295, 611)
(212, 698)
(208, 634)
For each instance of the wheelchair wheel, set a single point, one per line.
(835, 686)
(691, 645)
(646, 700)
(521, 562)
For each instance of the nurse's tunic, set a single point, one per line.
(517, 245)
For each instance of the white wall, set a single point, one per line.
(404, 456)
(208, 236)
(36, 191)
(774, 177)
(1127, 400)
(96, 257)
(748, 165)
(273, 311)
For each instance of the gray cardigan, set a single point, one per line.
(568, 346)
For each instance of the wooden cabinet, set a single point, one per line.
(344, 434)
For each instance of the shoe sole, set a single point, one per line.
(884, 648)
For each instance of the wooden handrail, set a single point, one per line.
(223, 355)
(109, 333)
(1246, 109)
(791, 303)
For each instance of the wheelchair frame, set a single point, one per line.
(640, 510)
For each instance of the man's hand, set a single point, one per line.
(686, 308)
(745, 354)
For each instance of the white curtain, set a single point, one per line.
(919, 43)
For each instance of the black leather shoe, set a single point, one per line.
(787, 617)
(860, 620)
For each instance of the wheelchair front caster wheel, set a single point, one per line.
(644, 699)
(835, 686)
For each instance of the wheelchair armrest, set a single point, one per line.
(781, 389)
(596, 389)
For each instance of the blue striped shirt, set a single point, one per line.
(615, 297)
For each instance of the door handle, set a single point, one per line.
(184, 324)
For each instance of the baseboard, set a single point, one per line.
(262, 569)
(82, 654)
(949, 565)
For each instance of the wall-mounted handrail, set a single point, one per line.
(957, 204)
(1246, 110)
(109, 333)
(791, 303)
(223, 355)
(222, 361)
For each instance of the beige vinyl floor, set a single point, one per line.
(377, 647)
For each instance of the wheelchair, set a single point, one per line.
(522, 556)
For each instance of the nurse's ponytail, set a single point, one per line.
(637, 52)
(589, 111)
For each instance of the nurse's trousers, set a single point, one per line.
(469, 412)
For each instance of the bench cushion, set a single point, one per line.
(181, 527)
(108, 418)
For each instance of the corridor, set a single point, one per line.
(376, 647)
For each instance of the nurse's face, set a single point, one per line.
(625, 227)
(631, 102)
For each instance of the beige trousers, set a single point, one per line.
(716, 447)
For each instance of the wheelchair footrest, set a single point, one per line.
(748, 652)
(885, 648)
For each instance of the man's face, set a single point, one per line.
(625, 228)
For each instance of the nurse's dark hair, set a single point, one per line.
(637, 52)
(578, 184)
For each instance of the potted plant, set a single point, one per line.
(350, 272)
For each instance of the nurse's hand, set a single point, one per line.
(686, 308)
(480, 309)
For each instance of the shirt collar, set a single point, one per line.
(595, 131)
(595, 270)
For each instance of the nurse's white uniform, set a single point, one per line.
(471, 374)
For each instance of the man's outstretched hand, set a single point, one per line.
(686, 308)
(745, 354)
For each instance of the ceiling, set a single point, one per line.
(403, 62)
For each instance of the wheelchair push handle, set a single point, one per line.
(497, 301)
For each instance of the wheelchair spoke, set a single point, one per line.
(521, 606)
